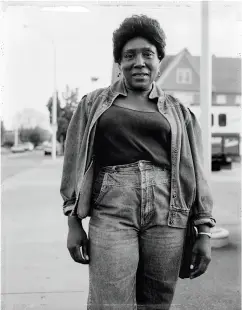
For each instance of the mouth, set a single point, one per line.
(140, 74)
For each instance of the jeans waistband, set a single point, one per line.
(136, 166)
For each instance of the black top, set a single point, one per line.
(125, 136)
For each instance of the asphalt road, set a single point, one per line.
(14, 163)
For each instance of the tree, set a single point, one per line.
(71, 98)
(35, 135)
(24, 134)
(50, 104)
(64, 112)
(8, 138)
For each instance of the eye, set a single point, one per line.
(148, 54)
(128, 56)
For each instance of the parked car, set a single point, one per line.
(39, 147)
(47, 147)
(28, 146)
(20, 148)
(221, 161)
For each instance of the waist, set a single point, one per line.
(137, 174)
(136, 166)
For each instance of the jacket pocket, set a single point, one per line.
(99, 187)
(178, 219)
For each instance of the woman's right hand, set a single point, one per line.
(77, 241)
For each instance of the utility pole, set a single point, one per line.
(54, 105)
(16, 135)
(206, 88)
(54, 101)
(220, 236)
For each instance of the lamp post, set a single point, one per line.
(206, 88)
(54, 101)
(57, 7)
(16, 135)
(54, 105)
(219, 235)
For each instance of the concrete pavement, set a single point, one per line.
(38, 273)
(13, 163)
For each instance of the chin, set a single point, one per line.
(141, 86)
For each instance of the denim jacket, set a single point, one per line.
(189, 187)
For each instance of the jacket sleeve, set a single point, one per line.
(203, 203)
(74, 136)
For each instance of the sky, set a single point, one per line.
(83, 44)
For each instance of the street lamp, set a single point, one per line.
(206, 86)
(54, 101)
(54, 105)
(219, 235)
(73, 9)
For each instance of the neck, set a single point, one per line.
(139, 92)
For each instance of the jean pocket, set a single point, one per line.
(99, 188)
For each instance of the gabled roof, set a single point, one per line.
(226, 72)
(171, 62)
(166, 61)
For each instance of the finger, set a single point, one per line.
(201, 268)
(77, 255)
(193, 261)
(85, 250)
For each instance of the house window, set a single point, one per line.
(212, 120)
(238, 99)
(222, 120)
(221, 99)
(183, 76)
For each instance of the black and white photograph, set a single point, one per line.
(121, 150)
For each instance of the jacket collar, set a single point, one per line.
(119, 88)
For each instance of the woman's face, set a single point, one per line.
(139, 63)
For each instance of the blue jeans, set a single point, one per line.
(134, 255)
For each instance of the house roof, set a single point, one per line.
(226, 72)
(166, 61)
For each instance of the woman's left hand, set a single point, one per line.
(201, 256)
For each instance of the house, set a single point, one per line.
(180, 76)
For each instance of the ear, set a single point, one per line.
(120, 70)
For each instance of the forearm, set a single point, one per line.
(74, 222)
(203, 232)
(203, 228)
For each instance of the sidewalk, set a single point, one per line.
(38, 272)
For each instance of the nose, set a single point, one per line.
(139, 61)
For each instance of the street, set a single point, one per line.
(38, 272)
(15, 163)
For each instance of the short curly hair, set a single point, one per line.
(138, 26)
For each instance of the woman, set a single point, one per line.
(132, 163)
